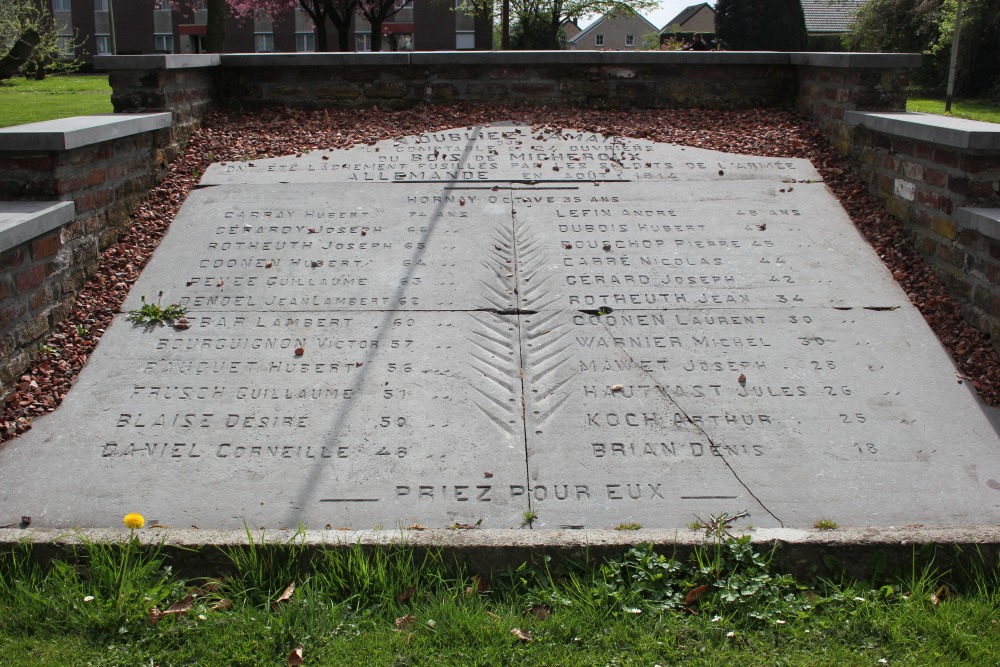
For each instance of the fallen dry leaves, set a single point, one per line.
(523, 635)
(407, 593)
(284, 597)
(181, 606)
(404, 622)
(541, 612)
(231, 136)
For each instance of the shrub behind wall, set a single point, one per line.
(761, 25)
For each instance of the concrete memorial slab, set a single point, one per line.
(435, 331)
(506, 152)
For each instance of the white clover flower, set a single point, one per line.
(89, 598)
(716, 619)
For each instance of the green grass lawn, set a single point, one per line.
(392, 606)
(971, 109)
(23, 101)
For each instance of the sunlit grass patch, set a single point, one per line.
(59, 96)
(970, 109)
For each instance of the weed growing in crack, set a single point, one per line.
(151, 314)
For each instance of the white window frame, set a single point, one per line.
(305, 42)
(102, 44)
(405, 36)
(362, 42)
(163, 42)
(265, 40)
(598, 40)
(629, 40)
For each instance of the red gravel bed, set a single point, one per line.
(230, 136)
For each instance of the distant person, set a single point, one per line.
(698, 44)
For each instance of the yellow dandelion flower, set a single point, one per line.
(134, 520)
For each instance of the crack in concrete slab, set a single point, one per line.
(703, 432)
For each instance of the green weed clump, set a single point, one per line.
(151, 314)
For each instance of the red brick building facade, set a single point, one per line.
(130, 27)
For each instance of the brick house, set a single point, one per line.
(696, 18)
(826, 21)
(162, 26)
(613, 33)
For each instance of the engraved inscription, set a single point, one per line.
(455, 328)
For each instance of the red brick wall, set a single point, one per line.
(39, 279)
(827, 93)
(924, 184)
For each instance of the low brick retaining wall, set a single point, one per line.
(91, 173)
(823, 85)
(941, 177)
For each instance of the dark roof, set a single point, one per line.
(825, 16)
(687, 14)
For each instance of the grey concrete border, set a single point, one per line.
(66, 133)
(156, 61)
(941, 130)
(21, 221)
(986, 221)
(522, 58)
(856, 60)
(801, 552)
(381, 59)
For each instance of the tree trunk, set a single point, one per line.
(18, 54)
(321, 40)
(343, 38)
(215, 33)
(376, 37)
(343, 27)
(340, 14)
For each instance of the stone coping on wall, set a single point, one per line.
(21, 221)
(931, 128)
(68, 133)
(986, 221)
(855, 60)
(500, 58)
(157, 61)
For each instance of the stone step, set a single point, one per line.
(68, 133)
(941, 130)
(21, 221)
(986, 221)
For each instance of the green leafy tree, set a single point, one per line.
(979, 46)
(901, 26)
(538, 24)
(651, 41)
(927, 27)
(761, 25)
(22, 17)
